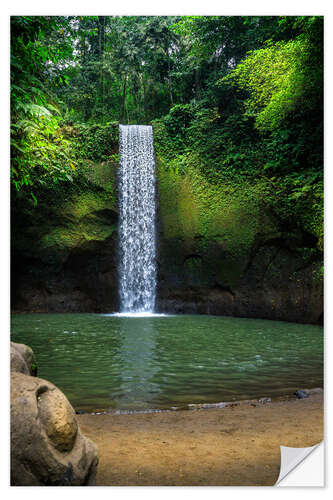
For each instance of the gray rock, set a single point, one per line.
(47, 447)
(22, 359)
(301, 394)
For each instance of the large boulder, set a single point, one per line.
(47, 447)
(22, 359)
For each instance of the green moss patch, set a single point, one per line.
(73, 216)
(193, 209)
(213, 220)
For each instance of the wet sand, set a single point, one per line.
(236, 445)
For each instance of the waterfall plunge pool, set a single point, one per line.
(114, 362)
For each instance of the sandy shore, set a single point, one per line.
(236, 445)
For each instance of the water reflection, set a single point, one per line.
(103, 362)
(138, 366)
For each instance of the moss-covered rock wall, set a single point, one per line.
(221, 249)
(64, 249)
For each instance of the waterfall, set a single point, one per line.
(137, 246)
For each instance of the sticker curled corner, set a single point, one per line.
(302, 472)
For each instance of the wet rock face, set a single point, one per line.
(85, 280)
(22, 359)
(270, 283)
(47, 447)
(233, 258)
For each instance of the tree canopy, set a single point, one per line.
(234, 97)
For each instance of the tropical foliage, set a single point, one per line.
(236, 99)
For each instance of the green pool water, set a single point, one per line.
(104, 362)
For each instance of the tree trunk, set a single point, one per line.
(122, 114)
(101, 46)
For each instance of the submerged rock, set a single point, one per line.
(22, 359)
(47, 447)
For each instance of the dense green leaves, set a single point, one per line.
(278, 81)
(39, 152)
(237, 99)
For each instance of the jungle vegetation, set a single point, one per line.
(236, 99)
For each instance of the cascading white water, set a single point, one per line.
(137, 245)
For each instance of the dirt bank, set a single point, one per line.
(236, 445)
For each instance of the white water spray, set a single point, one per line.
(137, 240)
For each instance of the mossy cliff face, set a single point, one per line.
(64, 249)
(221, 251)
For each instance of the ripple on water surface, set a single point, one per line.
(162, 361)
